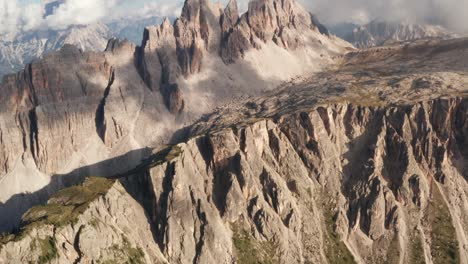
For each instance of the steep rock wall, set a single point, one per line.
(341, 183)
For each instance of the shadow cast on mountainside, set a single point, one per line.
(12, 210)
(84, 94)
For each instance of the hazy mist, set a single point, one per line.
(452, 14)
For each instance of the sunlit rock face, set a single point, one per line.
(336, 183)
(65, 116)
(360, 163)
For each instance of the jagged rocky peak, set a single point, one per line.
(158, 64)
(197, 31)
(286, 23)
(230, 16)
(115, 45)
(268, 18)
(205, 29)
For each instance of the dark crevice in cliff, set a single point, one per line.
(33, 133)
(33, 96)
(269, 190)
(100, 120)
(171, 93)
(222, 180)
(83, 84)
(460, 125)
(395, 159)
(76, 245)
(206, 150)
(162, 206)
(23, 132)
(203, 223)
(140, 61)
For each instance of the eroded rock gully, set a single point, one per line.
(340, 183)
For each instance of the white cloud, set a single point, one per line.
(78, 12)
(156, 9)
(151, 9)
(16, 17)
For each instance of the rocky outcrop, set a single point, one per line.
(122, 239)
(158, 65)
(339, 183)
(279, 21)
(197, 32)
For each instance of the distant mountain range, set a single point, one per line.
(22, 49)
(16, 51)
(379, 32)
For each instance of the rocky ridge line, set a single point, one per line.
(340, 183)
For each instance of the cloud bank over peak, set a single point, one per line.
(18, 16)
(23, 15)
(78, 12)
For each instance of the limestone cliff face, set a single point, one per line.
(340, 183)
(283, 22)
(68, 113)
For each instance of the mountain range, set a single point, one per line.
(16, 50)
(381, 32)
(237, 138)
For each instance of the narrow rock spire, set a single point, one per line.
(230, 16)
